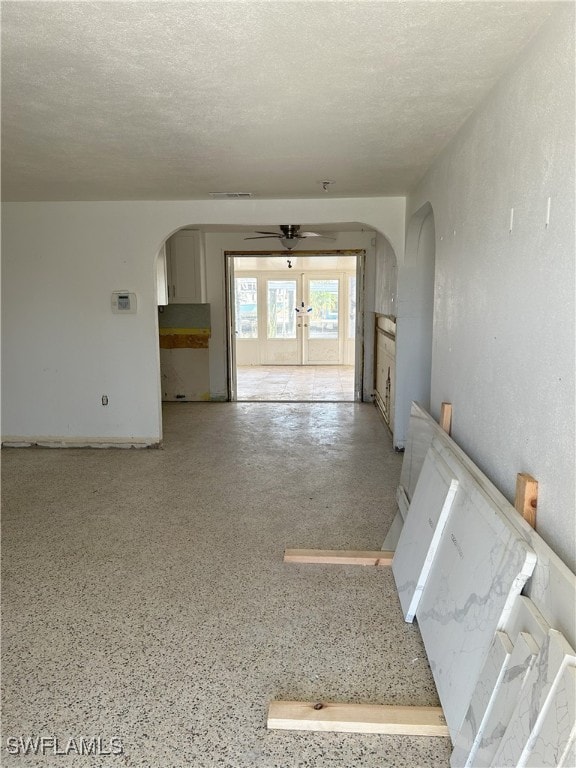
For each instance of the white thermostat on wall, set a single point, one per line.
(123, 302)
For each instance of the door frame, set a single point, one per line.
(360, 254)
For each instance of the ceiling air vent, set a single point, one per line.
(230, 195)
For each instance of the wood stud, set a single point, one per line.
(338, 556)
(446, 417)
(526, 500)
(357, 718)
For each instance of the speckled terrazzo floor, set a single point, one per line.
(145, 598)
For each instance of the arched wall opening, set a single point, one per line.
(415, 320)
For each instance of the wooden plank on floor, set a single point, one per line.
(357, 718)
(338, 556)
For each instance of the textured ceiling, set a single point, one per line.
(173, 100)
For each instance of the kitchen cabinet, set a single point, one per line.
(186, 267)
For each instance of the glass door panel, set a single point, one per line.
(323, 298)
(281, 309)
(246, 320)
(323, 340)
(246, 302)
(282, 345)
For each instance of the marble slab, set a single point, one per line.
(568, 760)
(429, 510)
(532, 707)
(403, 503)
(421, 431)
(525, 617)
(552, 586)
(486, 689)
(488, 729)
(480, 567)
(527, 630)
(393, 535)
(558, 728)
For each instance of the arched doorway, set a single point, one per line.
(220, 238)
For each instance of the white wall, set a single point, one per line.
(62, 346)
(504, 306)
(386, 279)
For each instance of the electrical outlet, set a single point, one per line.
(104, 399)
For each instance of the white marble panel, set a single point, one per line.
(552, 586)
(393, 535)
(525, 617)
(558, 728)
(403, 503)
(527, 630)
(480, 567)
(568, 759)
(532, 707)
(500, 708)
(429, 510)
(421, 431)
(486, 689)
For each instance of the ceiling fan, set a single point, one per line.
(290, 235)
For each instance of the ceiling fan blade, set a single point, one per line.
(262, 237)
(260, 232)
(324, 235)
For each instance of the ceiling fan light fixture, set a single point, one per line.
(289, 242)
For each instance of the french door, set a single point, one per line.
(305, 319)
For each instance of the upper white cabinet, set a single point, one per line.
(161, 277)
(186, 268)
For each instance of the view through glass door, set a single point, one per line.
(294, 329)
(325, 327)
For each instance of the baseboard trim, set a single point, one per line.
(79, 442)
